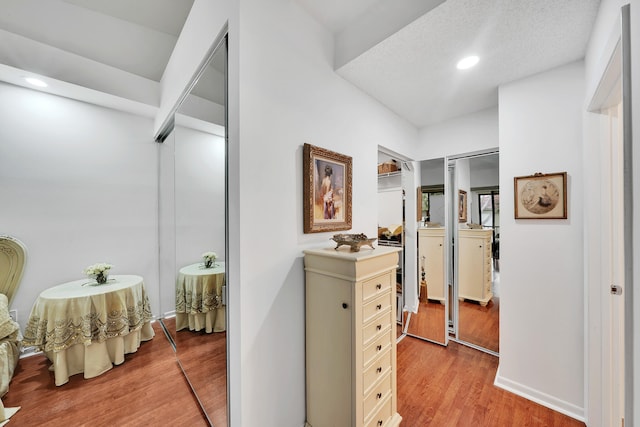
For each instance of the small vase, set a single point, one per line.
(101, 278)
(208, 263)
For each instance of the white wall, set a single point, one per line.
(199, 195)
(389, 208)
(484, 177)
(542, 298)
(79, 186)
(191, 205)
(432, 172)
(466, 134)
(289, 95)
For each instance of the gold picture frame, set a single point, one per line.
(540, 196)
(327, 190)
(462, 206)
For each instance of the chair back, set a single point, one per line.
(13, 254)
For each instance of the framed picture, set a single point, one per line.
(462, 206)
(327, 190)
(541, 196)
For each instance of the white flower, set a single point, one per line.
(95, 269)
(210, 255)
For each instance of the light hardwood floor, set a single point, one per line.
(437, 386)
(149, 389)
(453, 386)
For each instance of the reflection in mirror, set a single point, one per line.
(198, 288)
(391, 219)
(429, 321)
(478, 253)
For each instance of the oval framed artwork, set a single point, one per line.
(541, 196)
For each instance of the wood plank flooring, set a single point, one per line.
(453, 386)
(480, 325)
(204, 359)
(429, 322)
(437, 386)
(148, 389)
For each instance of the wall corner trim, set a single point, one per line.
(540, 397)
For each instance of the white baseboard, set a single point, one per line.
(28, 352)
(539, 397)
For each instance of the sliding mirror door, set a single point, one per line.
(200, 211)
(193, 204)
(429, 319)
(477, 251)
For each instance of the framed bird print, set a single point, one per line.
(541, 196)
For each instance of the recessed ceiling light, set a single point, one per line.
(35, 82)
(467, 62)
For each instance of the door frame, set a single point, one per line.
(615, 79)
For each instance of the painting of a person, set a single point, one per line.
(326, 190)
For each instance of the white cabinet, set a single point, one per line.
(431, 257)
(474, 266)
(351, 337)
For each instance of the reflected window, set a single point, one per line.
(489, 206)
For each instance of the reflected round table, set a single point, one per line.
(199, 298)
(83, 326)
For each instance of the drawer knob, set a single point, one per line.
(345, 305)
(379, 286)
(379, 395)
(379, 306)
(379, 369)
(379, 327)
(379, 347)
(379, 422)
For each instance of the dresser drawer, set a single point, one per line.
(374, 350)
(381, 417)
(376, 307)
(379, 394)
(376, 286)
(376, 328)
(376, 371)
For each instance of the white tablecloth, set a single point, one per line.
(199, 301)
(85, 327)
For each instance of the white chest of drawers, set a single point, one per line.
(351, 337)
(474, 281)
(431, 258)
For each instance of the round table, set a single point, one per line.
(199, 298)
(83, 326)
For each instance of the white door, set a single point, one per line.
(613, 240)
(609, 305)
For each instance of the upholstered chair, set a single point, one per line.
(12, 262)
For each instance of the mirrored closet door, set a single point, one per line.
(476, 307)
(427, 319)
(193, 218)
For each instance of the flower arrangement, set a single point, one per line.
(209, 258)
(99, 271)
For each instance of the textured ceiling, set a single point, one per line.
(401, 53)
(413, 71)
